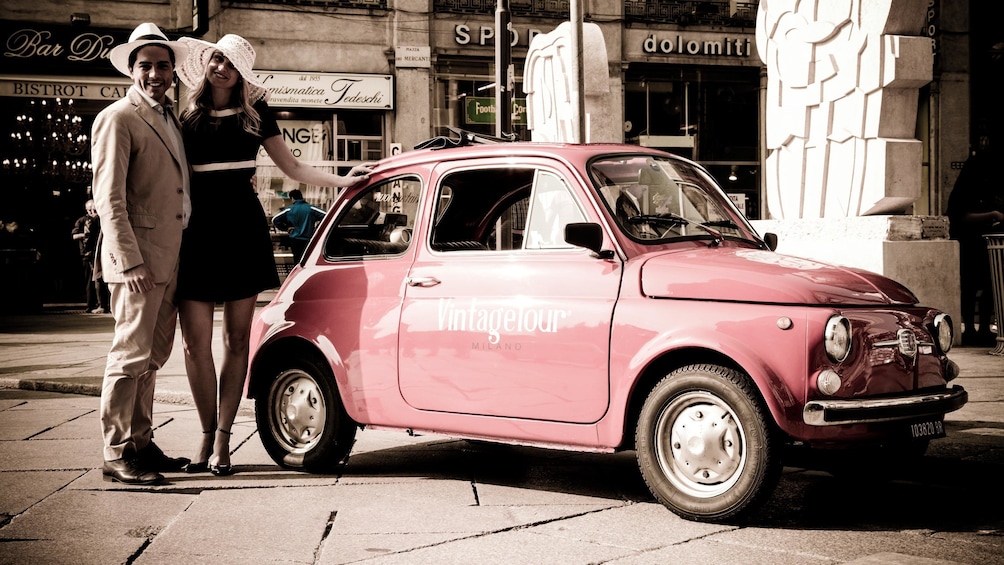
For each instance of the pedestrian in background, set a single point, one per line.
(976, 208)
(226, 255)
(141, 195)
(299, 219)
(85, 231)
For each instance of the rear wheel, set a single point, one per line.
(706, 445)
(301, 420)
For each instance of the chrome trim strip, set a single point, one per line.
(838, 412)
(895, 343)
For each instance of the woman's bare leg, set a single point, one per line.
(237, 316)
(197, 338)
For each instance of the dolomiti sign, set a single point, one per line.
(724, 48)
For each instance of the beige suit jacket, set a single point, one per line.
(138, 189)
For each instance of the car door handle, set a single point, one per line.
(424, 282)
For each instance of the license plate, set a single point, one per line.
(927, 429)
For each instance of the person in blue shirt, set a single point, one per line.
(299, 220)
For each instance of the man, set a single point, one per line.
(976, 208)
(86, 231)
(299, 219)
(141, 195)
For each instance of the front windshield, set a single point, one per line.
(657, 199)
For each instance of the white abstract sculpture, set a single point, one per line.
(842, 88)
(549, 81)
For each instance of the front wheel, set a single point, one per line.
(706, 445)
(301, 420)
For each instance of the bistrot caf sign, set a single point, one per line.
(328, 90)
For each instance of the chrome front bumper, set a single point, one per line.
(923, 405)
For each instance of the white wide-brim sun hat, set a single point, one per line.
(192, 71)
(144, 34)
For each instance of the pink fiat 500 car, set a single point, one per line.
(594, 298)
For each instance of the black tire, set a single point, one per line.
(706, 444)
(301, 420)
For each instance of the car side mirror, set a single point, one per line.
(588, 235)
(771, 240)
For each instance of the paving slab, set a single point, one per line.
(111, 525)
(61, 551)
(657, 527)
(511, 547)
(712, 551)
(20, 490)
(34, 423)
(50, 455)
(350, 548)
(842, 545)
(245, 526)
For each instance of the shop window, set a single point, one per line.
(662, 114)
(466, 100)
(46, 178)
(707, 114)
(359, 137)
(730, 13)
(366, 4)
(331, 143)
(704, 114)
(528, 8)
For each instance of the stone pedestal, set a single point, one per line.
(913, 250)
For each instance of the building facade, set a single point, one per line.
(356, 80)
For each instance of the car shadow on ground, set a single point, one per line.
(952, 488)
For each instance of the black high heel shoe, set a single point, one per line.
(201, 466)
(221, 470)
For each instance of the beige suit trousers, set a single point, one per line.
(144, 335)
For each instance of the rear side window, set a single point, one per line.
(378, 222)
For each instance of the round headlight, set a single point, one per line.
(828, 382)
(944, 332)
(837, 338)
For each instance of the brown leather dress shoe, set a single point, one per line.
(129, 472)
(152, 458)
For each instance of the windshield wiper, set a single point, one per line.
(667, 218)
(673, 219)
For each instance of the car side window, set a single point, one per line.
(471, 205)
(501, 209)
(378, 222)
(553, 207)
(510, 227)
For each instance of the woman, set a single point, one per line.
(226, 251)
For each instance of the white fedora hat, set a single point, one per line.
(192, 71)
(144, 34)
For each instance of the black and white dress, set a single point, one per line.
(226, 250)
